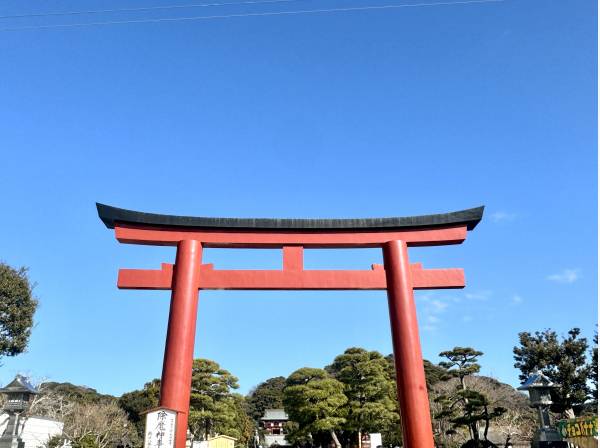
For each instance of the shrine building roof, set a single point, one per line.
(274, 414)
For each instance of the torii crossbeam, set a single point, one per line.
(397, 276)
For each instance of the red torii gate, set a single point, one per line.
(397, 276)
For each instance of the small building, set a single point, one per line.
(35, 432)
(220, 441)
(273, 424)
(17, 428)
(372, 440)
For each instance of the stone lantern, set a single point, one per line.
(19, 394)
(539, 388)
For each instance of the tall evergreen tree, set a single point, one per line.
(314, 402)
(134, 403)
(267, 395)
(593, 374)
(371, 406)
(17, 307)
(466, 407)
(211, 404)
(563, 361)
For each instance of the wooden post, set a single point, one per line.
(410, 373)
(179, 349)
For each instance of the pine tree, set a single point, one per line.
(314, 402)
(17, 307)
(369, 389)
(466, 407)
(210, 401)
(267, 395)
(563, 362)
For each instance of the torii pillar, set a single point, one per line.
(397, 276)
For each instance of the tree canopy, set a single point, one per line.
(267, 395)
(593, 374)
(138, 401)
(563, 361)
(213, 406)
(465, 406)
(368, 388)
(17, 307)
(315, 401)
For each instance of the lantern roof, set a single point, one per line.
(19, 384)
(536, 380)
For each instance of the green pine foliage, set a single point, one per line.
(593, 372)
(17, 307)
(562, 360)
(368, 387)
(134, 403)
(315, 402)
(356, 394)
(214, 409)
(465, 407)
(267, 395)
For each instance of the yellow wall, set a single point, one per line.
(221, 442)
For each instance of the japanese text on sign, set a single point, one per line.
(578, 427)
(160, 429)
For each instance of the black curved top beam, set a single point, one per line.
(112, 215)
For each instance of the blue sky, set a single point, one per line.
(353, 114)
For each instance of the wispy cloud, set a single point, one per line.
(438, 306)
(516, 299)
(433, 319)
(565, 276)
(478, 295)
(433, 310)
(501, 216)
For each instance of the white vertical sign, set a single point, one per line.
(160, 429)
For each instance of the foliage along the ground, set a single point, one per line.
(356, 393)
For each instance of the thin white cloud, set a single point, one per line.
(432, 311)
(433, 319)
(480, 295)
(516, 299)
(565, 276)
(437, 306)
(501, 216)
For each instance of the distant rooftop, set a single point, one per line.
(274, 414)
(222, 436)
(19, 384)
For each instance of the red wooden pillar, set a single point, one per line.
(410, 373)
(179, 348)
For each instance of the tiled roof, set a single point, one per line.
(222, 436)
(19, 384)
(274, 414)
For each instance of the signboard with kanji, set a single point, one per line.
(160, 428)
(578, 427)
